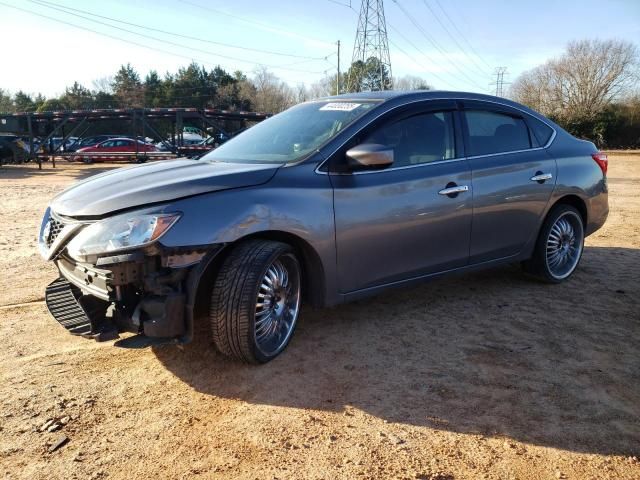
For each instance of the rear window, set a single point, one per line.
(492, 132)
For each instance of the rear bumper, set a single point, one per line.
(598, 211)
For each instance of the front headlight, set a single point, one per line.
(119, 233)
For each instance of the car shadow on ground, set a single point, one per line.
(492, 353)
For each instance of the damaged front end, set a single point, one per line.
(116, 277)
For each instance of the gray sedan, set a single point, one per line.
(327, 202)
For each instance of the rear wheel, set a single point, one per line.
(255, 301)
(559, 246)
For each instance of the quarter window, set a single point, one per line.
(492, 132)
(541, 130)
(418, 139)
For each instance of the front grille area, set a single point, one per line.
(55, 227)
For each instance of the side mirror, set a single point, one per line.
(370, 155)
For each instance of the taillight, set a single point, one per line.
(602, 161)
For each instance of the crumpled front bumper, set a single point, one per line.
(102, 302)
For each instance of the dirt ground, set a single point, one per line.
(488, 375)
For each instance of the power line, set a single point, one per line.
(462, 34)
(113, 37)
(188, 37)
(435, 44)
(455, 40)
(340, 3)
(257, 23)
(411, 57)
(426, 56)
(175, 44)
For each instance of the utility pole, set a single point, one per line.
(338, 80)
(500, 72)
(372, 42)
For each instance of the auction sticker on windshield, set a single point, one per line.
(341, 106)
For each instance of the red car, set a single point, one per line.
(113, 146)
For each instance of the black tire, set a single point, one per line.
(539, 264)
(234, 299)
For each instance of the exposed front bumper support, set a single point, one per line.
(90, 280)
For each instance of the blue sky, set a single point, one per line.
(50, 55)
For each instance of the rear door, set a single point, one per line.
(513, 178)
(124, 146)
(399, 223)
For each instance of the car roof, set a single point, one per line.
(392, 94)
(415, 95)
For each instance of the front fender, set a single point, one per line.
(297, 201)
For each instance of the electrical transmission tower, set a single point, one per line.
(371, 42)
(500, 72)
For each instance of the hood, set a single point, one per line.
(155, 182)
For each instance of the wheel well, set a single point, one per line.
(313, 284)
(577, 203)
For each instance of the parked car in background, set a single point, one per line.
(113, 146)
(16, 148)
(201, 148)
(330, 201)
(90, 142)
(188, 139)
(8, 148)
(54, 144)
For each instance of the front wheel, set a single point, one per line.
(559, 246)
(255, 301)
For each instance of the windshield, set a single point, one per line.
(290, 135)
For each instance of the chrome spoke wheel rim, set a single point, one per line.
(277, 305)
(564, 245)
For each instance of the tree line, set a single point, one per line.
(592, 90)
(195, 86)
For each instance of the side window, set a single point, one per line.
(107, 144)
(422, 138)
(492, 132)
(541, 131)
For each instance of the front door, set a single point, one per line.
(411, 218)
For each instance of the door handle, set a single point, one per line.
(541, 177)
(454, 190)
